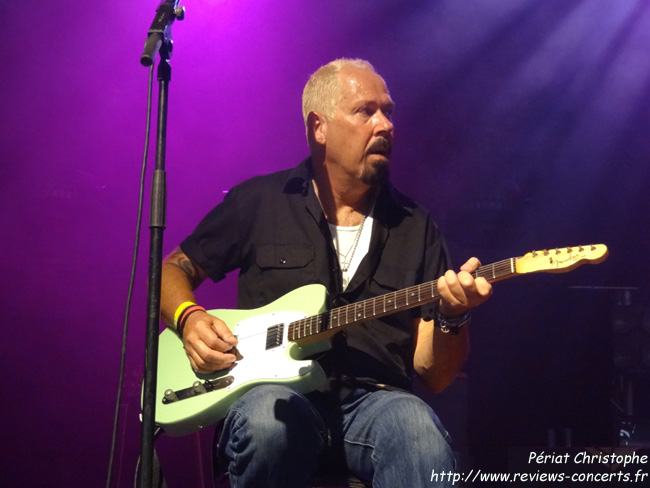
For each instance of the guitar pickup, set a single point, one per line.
(197, 388)
(274, 336)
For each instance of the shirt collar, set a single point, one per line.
(389, 201)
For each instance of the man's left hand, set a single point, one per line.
(461, 291)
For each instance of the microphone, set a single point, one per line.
(159, 32)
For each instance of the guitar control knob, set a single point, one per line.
(170, 396)
(198, 387)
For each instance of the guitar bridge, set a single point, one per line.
(197, 388)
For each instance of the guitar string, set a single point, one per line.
(400, 298)
(398, 301)
(304, 327)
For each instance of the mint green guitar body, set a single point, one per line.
(184, 406)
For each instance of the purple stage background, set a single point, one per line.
(522, 124)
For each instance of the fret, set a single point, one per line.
(412, 293)
(358, 315)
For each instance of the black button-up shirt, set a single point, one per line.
(272, 229)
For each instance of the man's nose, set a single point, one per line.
(383, 124)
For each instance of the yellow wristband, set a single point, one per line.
(180, 309)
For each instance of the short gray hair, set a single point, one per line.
(323, 90)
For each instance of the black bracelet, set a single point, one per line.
(451, 325)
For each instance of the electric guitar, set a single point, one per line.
(276, 341)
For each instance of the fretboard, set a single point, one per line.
(387, 304)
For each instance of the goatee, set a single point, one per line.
(376, 174)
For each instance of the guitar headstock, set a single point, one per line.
(561, 260)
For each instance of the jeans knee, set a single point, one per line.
(271, 437)
(272, 418)
(418, 415)
(397, 439)
(422, 431)
(411, 423)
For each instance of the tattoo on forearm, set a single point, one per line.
(182, 262)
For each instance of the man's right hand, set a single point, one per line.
(208, 342)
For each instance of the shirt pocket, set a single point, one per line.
(284, 256)
(281, 268)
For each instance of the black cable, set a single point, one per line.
(132, 280)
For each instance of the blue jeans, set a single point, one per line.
(273, 437)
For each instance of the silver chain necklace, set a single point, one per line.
(345, 265)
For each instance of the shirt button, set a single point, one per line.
(283, 261)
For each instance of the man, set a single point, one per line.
(334, 220)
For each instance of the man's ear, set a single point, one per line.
(317, 127)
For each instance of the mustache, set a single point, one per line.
(381, 145)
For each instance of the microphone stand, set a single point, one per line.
(158, 41)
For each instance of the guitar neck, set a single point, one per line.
(325, 324)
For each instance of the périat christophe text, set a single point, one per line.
(583, 457)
